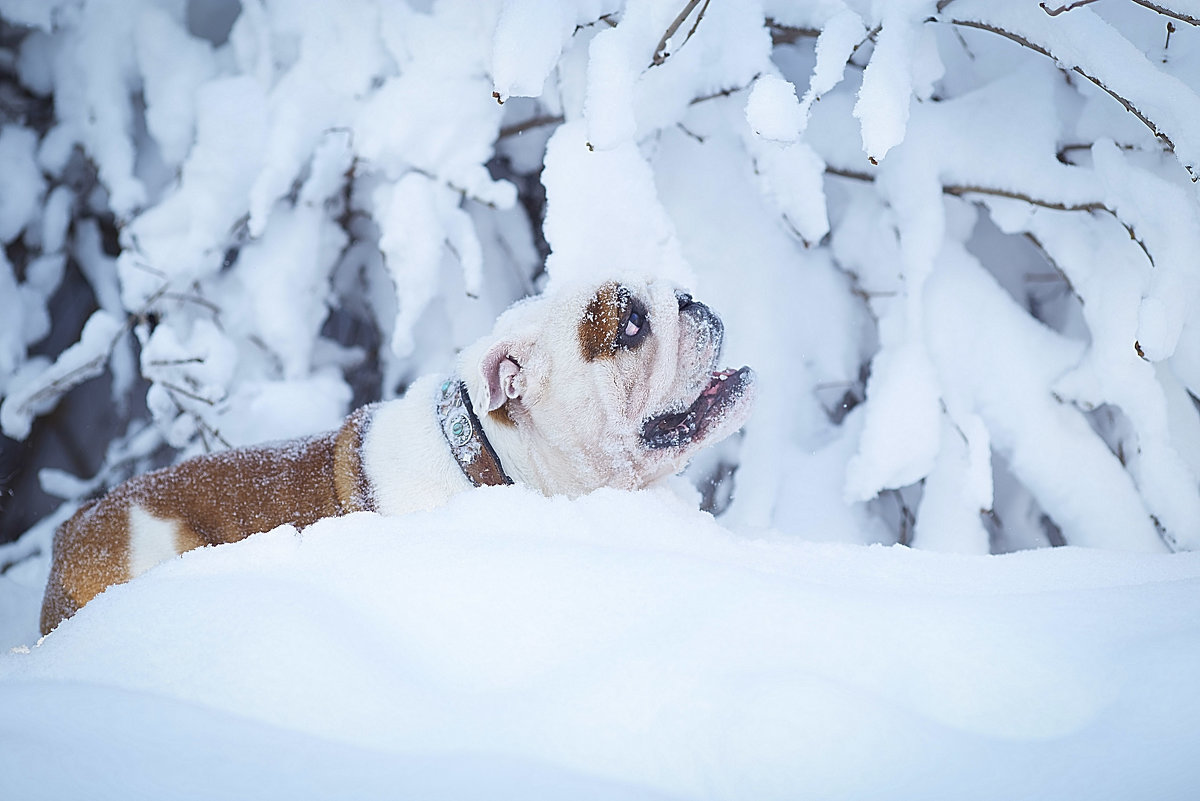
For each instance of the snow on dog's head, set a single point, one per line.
(609, 385)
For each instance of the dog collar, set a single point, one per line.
(464, 434)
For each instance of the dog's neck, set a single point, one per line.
(466, 438)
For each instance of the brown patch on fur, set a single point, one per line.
(600, 321)
(89, 554)
(185, 538)
(350, 481)
(212, 499)
(502, 416)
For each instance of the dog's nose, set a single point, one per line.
(684, 299)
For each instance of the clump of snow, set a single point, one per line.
(773, 111)
(603, 214)
(900, 67)
(900, 439)
(839, 36)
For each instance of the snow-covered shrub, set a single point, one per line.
(959, 240)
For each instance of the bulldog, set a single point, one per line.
(581, 388)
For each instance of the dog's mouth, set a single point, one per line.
(723, 394)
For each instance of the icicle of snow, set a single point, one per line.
(901, 430)
(529, 40)
(411, 239)
(957, 491)
(1166, 218)
(614, 64)
(793, 175)
(889, 79)
(835, 44)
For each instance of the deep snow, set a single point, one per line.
(619, 646)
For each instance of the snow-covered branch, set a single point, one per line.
(325, 205)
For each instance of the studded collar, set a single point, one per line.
(464, 435)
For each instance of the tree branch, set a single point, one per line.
(1168, 12)
(961, 190)
(660, 52)
(1054, 12)
(1021, 40)
(529, 124)
(787, 34)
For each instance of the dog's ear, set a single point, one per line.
(502, 374)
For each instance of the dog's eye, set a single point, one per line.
(634, 327)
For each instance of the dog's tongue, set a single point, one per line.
(718, 383)
(681, 427)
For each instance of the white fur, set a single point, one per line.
(405, 456)
(151, 540)
(578, 422)
(575, 424)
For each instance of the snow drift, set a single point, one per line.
(618, 646)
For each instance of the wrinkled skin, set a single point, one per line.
(567, 395)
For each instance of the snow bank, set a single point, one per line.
(618, 646)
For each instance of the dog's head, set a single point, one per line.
(614, 385)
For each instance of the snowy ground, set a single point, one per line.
(618, 646)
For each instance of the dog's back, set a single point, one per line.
(204, 501)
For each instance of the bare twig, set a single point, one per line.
(141, 265)
(961, 190)
(174, 362)
(186, 393)
(529, 124)
(1065, 150)
(20, 558)
(69, 380)
(184, 297)
(1045, 254)
(788, 34)
(516, 129)
(1054, 12)
(202, 426)
(660, 54)
(724, 92)
(1133, 235)
(1168, 12)
(696, 24)
(690, 132)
